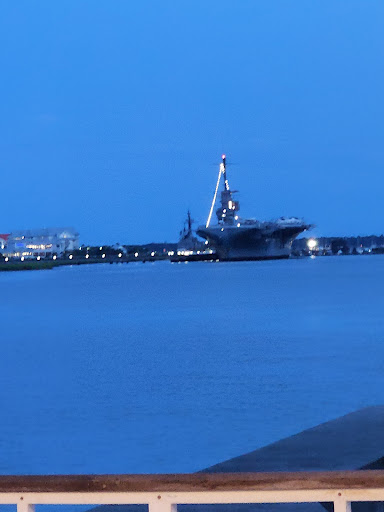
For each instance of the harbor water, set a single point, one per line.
(133, 368)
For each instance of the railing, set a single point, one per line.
(162, 493)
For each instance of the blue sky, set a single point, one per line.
(114, 114)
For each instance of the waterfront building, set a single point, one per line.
(3, 241)
(46, 242)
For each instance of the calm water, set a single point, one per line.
(168, 368)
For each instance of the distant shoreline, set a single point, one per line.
(16, 266)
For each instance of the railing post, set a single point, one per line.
(341, 505)
(23, 506)
(161, 505)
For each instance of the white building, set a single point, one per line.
(47, 242)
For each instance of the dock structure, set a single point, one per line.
(351, 442)
(337, 466)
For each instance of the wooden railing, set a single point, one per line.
(164, 492)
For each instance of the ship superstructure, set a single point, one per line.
(188, 241)
(234, 238)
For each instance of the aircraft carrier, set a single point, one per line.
(234, 238)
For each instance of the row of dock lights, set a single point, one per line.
(120, 255)
(189, 253)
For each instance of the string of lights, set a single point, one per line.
(221, 171)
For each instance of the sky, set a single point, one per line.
(114, 114)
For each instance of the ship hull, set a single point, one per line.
(233, 243)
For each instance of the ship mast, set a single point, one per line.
(223, 167)
(226, 213)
